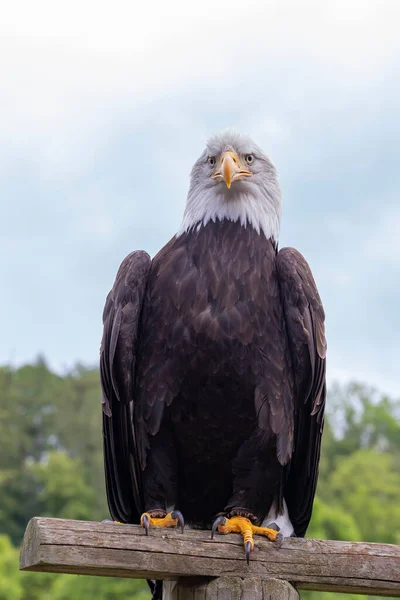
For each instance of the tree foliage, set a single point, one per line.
(51, 464)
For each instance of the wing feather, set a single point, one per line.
(304, 316)
(121, 320)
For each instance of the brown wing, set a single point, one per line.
(117, 373)
(304, 317)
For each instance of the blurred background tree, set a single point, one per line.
(51, 464)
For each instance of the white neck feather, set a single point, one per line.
(254, 205)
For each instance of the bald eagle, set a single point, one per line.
(212, 363)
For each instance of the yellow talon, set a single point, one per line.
(171, 519)
(166, 521)
(114, 522)
(271, 534)
(245, 527)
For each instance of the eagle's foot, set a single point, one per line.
(239, 524)
(114, 522)
(159, 518)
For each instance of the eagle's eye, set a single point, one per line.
(249, 158)
(212, 161)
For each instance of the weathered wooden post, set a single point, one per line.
(234, 588)
(211, 570)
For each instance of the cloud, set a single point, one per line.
(384, 243)
(99, 224)
(105, 109)
(78, 72)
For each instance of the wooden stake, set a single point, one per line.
(233, 588)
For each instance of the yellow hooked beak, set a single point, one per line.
(231, 169)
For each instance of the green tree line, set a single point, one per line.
(51, 464)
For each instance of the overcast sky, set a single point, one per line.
(105, 107)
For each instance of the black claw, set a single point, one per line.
(146, 523)
(279, 540)
(248, 550)
(218, 521)
(176, 514)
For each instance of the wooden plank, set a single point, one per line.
(81, 547)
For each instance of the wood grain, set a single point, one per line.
(233, 588)
(107, 549)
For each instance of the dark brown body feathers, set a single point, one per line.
(213, 376)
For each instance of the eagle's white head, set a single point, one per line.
(233, 179)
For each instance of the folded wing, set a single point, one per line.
(304, 317)
(121, 319)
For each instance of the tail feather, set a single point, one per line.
(162, 590)
(168, 590)
(155, 588)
